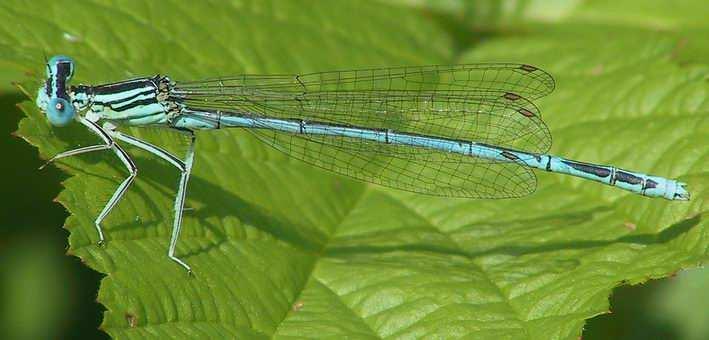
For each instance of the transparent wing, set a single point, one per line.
(401, 167)
(492, 118)
(524, 80)
(497, 118)
(455, 110)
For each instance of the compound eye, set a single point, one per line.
(60, 112)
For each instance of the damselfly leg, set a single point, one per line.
(185, 167)
(122, 155)
(108, 133)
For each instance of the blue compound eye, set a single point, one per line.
(60, 112)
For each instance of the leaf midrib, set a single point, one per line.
(319, 255)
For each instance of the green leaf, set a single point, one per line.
(283, 250)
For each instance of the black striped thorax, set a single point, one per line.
(139, 101)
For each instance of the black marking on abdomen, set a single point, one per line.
(509, 155)
(528, 68)
(588, 168)
(649, 184)
(495, 147)
(628, 178)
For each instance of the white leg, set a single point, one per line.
(185, 168)
(122, 188)
(108, 143)
(180, 203)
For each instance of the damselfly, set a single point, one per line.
(457, 131)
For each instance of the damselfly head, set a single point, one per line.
(52, 97)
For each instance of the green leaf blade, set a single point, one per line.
(283, 250)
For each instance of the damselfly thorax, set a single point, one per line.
(137, 102)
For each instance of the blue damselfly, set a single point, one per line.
(457, 131)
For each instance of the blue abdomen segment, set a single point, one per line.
(639, 183)
(646, 185)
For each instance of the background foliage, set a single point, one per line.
(284, 250)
